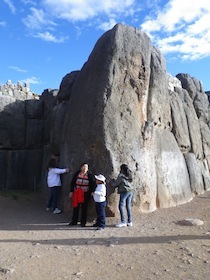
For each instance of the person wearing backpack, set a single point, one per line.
(125, 190)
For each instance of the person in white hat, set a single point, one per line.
(99, 196)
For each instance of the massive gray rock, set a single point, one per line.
(208, 95)
(125, 108)
(189, 84)
(180, 123)
(205, 135)
(194, 167)
(56, 126)
(173, 185)
(66, 85)
(49, 100)
(121, 107)
(158, 99)
(12, 123)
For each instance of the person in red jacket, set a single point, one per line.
(83, 181)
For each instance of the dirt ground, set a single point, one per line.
(36, 244)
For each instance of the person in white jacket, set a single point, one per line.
(99, 197)
(54, 183)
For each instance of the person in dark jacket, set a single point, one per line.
(125, 190)
(82, 185)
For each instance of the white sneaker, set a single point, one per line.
(47, 209)
(57, 211)
(129, 224)
(121, 225)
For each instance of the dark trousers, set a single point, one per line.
(52, 202)
(84, 209)
(101, 215)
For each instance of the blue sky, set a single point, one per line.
(42, 41)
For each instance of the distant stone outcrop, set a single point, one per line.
(121, 107)
(20, 91)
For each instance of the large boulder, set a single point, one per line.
(105, 101)
(201, 105)
(205, 135)
(119, 112)
(34, 109)
(12, 123)
(173, 186)
(192, 123)
(158, 99)
(56, 126)
(188, 84)
(49, 99)
(67, 82)
(180, 124)
(34, 134)
(194, 167)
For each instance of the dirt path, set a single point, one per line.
(36, 244)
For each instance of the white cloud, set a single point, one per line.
(201, 25)
(51, 13)
(11, 5)
(31, 80)
(47, 36)
(182, 26)
(73, 10)
(176, 14)
(38, 19)
(107, 25)
(18, 69)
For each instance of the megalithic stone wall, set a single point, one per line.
(121, 107)
(24, 133)
(125, 108)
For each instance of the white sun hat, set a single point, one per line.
(101, 178)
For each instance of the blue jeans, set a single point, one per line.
(125, 199)
(101, 214)
(52, 203)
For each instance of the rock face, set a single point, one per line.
(208, 94)
(125, 108)
(22, 137)
(121, 107)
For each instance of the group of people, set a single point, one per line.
(85, 185)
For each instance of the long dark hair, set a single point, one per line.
(124, 169)
(51, 163)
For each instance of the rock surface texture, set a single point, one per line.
(123, 107)
(24, 132)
